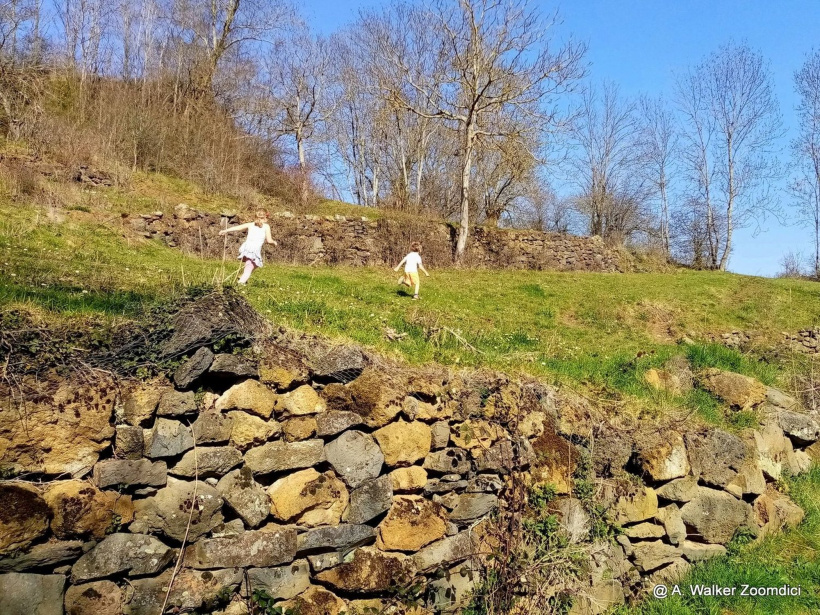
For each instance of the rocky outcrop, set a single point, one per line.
(329, 484)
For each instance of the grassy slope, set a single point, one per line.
(597, 331)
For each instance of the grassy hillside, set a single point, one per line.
(597, 333)
(601, 331)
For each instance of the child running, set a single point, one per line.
(250, 252)
(412, 264)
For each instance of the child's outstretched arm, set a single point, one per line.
(268, 237)
(233, 229)
(424, 270)
(397, 267)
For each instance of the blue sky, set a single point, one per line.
(639, 44)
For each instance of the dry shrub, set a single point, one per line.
(117, 127)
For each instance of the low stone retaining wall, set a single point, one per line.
(337, 240)
(330, 482)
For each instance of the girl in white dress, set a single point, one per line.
(250, 252)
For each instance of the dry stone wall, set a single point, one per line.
(340, 240)
(335, 482)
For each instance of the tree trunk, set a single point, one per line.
(466, 169)
(724, 259)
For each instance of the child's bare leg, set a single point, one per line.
(416, 293)
(249, 267)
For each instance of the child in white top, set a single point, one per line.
(412, 264)
(250, 252)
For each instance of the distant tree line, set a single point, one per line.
(475, 111)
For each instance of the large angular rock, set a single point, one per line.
(680, 490)
(299, 428)
(749, 480)
(129, 442)
(369, 500)
(191, 590)
(374, 395)
(779, 399)
(672, 523)
(188, 373)
(451, 549)
(476, 435)
(336, 421)
(258, 548)
(651, 555)
(308, 498)
(413, 478)
(699, 551)
(176, 403)
(340, 364)
(127, 472)
(774, 510)
(448, 461)
(168, 439)
(645, 530)
(233, 366)
(250, 396)
(714, 516)
(370, 571)
(31, 594)
(404, 443)
(716, 456)
(139, 401)
(65, 428)
(472, 506)
(638, 506)
(213, 427)
(278, 456)
(283, 367)
(735, 389)
(24, 517)
(137, 554)
(245, 496)
(663, 457)
(80, 510)
(207, 461)
(355, 456)
(97, 597)
(774, 450)
(504, 456)
(47, 554)
(802, 428)
(440, 435)
(302, 401)
(282, 582)
(315, 601)
(248, 430)
(168, 510)
(340, 537)
(412, 522)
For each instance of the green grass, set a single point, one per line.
(601, 330)
(790, 558)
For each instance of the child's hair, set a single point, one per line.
(415, 247)
(261, 214)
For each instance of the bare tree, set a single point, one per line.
(218, 27)
(805, 185)
(606, 164)
(733, 123)
(483, 57)
(659, 141)
(296, 79)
